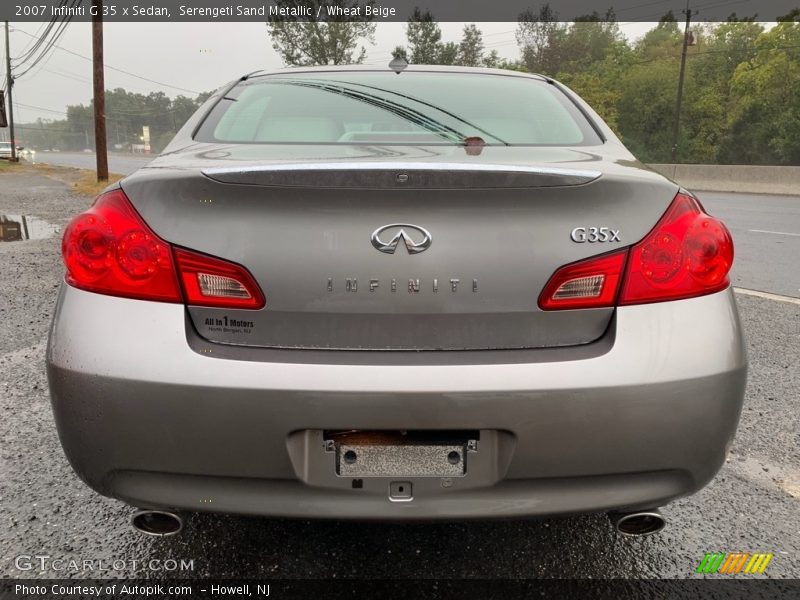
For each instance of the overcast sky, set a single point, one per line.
(196, 57)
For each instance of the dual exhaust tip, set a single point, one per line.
(638, 523)
(160, 523)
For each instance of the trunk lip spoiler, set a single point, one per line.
(587, 175)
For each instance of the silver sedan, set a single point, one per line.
(441, 293)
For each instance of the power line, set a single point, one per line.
(84, 79)
(499, 44)
(711, 5)
(47, 52)
(38, 34)
(499, 33)
(645, 5)
(725, 3)
(44, 42)
(50, 110)
(37, 42)
(68, 51)
(68, 75)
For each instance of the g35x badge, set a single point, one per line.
(594, 235)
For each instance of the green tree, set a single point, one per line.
(425, 45)
(587, 40)
(705, 123)
(647, 109)
(448, 54)
(741, 84)
(535, 34)
(662, 41)
(470, 50)
(492, 59)
(182, 108)
(512, 65)
(765, 115)
(401, 52)
(601, 97)
(203, 97)
(330, 42)
(424, 38)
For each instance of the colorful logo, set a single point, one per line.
(734, 562)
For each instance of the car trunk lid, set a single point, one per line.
(395, 254)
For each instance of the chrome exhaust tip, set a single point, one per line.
(642, 522)
(158, 523)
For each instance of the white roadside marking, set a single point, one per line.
(774, 232)
(767, 295)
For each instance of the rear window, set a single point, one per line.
(382, 107)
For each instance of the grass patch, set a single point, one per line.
(87, 184)
(82, 181)
(7, 165)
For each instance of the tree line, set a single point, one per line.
(741, 97)
(127, 113)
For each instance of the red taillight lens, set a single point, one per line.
(110, 250)
(688, 253)
(209, 281)
(591, 283)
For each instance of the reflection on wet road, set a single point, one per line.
(18, 228)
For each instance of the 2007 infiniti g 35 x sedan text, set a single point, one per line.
(351, 293)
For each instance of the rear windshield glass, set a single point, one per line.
(382, 107)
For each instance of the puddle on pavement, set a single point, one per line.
(17, 228)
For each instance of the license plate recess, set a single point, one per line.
(402, 454)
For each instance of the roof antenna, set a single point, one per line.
(398, 63)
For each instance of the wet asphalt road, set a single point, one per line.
(766, 232)
(753, 504)
(123, 164)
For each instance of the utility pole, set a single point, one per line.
(677, 128)
(99, 92)
(9, 85)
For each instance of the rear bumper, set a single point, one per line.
(149, 413)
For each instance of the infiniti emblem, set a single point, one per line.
(416, 239)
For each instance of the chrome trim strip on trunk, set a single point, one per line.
(589, 175)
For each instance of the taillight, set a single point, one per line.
(110, 250)
(688, 253)
(591, 283)
(209, 281)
